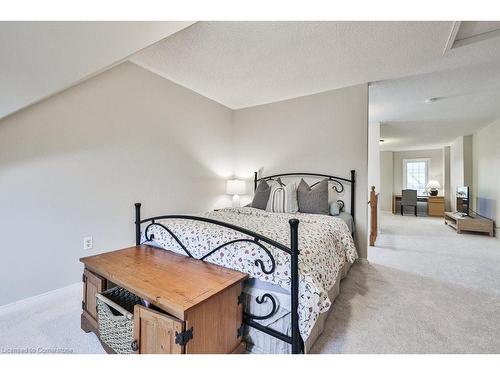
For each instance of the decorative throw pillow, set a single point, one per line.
(315, 200)
(283, 198)
(261, 195)
(334, 209)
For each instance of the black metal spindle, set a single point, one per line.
(254, 181)
(353, 192)
(294, 246)
(137, 224)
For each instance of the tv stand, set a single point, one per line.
(461, 223)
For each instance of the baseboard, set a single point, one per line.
(51, 293)
(362, 261)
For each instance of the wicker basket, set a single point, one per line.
(115, 318)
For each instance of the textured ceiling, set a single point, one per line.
(39, 59)
(242, 64)
(467, 99)
(471, 29)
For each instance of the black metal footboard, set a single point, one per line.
(259, 240)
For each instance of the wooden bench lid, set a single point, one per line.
(174, 283)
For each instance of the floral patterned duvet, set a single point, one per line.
(325, 245)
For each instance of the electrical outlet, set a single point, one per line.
(88, 243)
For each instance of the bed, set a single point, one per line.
(289, 293)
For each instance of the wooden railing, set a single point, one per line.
(373, 216)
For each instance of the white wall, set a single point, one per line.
(468, 154)
(486, 160)
(374, 156)
(324, 133)
(373, 165)
(447, 178)
(386, 180)
(436, 166)
(460, 165)
(74, 164)
(456, 168)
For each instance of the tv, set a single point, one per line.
(463, 195)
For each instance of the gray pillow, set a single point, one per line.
(315, 200)
(261, 195)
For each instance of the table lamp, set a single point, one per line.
(433, 187)
(236, 188)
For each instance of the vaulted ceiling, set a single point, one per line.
(241, 64)
(39, 59)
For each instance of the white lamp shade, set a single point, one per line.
(235, 187)
(433, 184)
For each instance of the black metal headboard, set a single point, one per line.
(338, 182)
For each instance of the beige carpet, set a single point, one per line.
(46, 324)
(425, 290)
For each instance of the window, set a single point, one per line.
(415, 175)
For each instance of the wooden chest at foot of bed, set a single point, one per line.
(194, 305)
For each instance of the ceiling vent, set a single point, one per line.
(468, 32)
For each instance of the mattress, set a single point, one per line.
(347, 218)
(325, 245)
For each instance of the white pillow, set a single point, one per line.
(334, 209)
(332, 194)
(283, 198)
